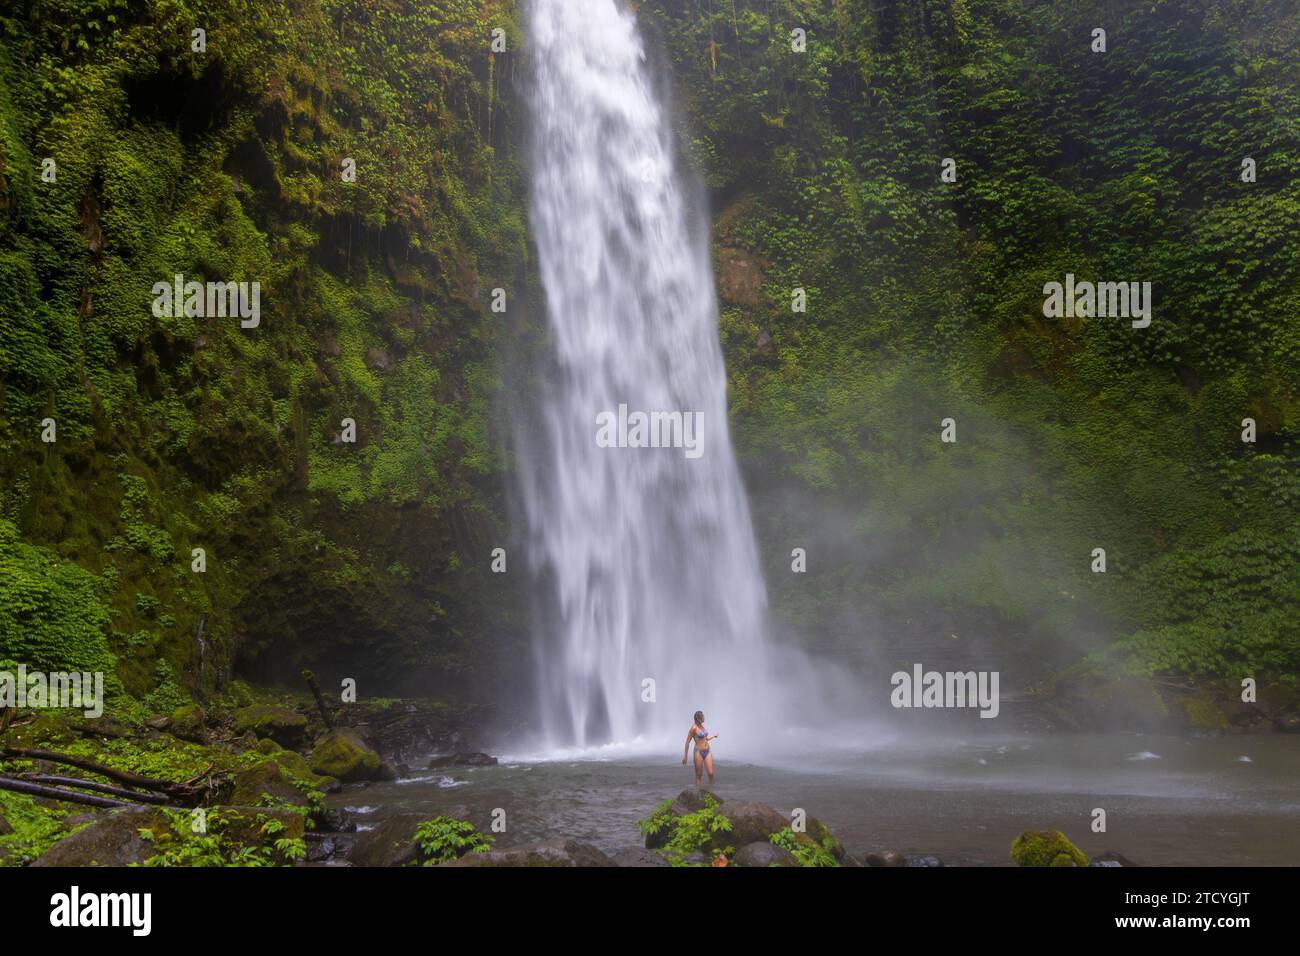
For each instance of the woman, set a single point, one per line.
(703, 758)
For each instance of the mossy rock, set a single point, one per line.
(286, 727)
(267, 777)
(296, 765)
(1046, 848)
(187, 724)
(1204, 714)
(343, 754)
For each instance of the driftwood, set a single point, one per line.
(95, 785)
(54, 793)
(310, 678)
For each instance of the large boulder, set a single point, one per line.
(762, 853)
(885, 858)
(392, 841)
(1046, 848)
(752, 822)
(560, 852)
(187, 724)
(342, 753)
(269, 778)
(112, 840)
(286, 727)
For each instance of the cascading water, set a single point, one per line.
(650, 552)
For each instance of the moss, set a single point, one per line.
(1046, 848)
(342, 754)
(1204, 714)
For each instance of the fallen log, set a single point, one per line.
(121, 776)
(134, 795)
(68, 796)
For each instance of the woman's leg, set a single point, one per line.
(699, 766)
(708, 765)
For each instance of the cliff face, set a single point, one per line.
(922, 171)
(356, 160)
(133, 150)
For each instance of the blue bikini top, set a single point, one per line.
(701, 734)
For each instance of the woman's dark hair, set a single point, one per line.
(699, 716)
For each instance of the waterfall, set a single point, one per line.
(647, 553)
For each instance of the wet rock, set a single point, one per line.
(752, 822)
(884, 858)
(917, 859)
(638, 856)
(392, 841)
(286, 727)
(338, 821)
(343, 754)
(1111, 858)
(762, 853)
(463, 760)
(548, 853)
(269, 778)
(320, 847)
(691, 800)
(113, 840)
(1288, 721)
(187, 724)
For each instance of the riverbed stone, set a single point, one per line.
(187, 724)
(638, 856)
(343, 754)
(1111, 858)
(561, 852)
(392, 841)
(884, 858)
(752, 822)
(762, 853)
(286, 727)
(112, 840)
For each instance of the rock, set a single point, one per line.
(762, 853)
(244, 825)
(691, 800)
(1288, 721)
(320, 846)
(112, 840)
(187, 724)
(337, 821)
(387, 771)
(378, 359)
(5, 828)
(752, 822)
(885, 858)
(548, 853)
(267, 777)
(1111, 858)
(341, 753)
(765, 346)
(739, 277)
(158, 723)
(463, 760)
(286, 727)
(392, 841)
(638, 856)
(917, 859)
(1046, 848)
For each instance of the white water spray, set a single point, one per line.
(649, 552)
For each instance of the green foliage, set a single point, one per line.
(806, 850)
(224, 840)
(444, 839)
(691, 833)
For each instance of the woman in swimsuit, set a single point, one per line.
(703, 758)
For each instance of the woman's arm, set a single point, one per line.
(686, 748)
